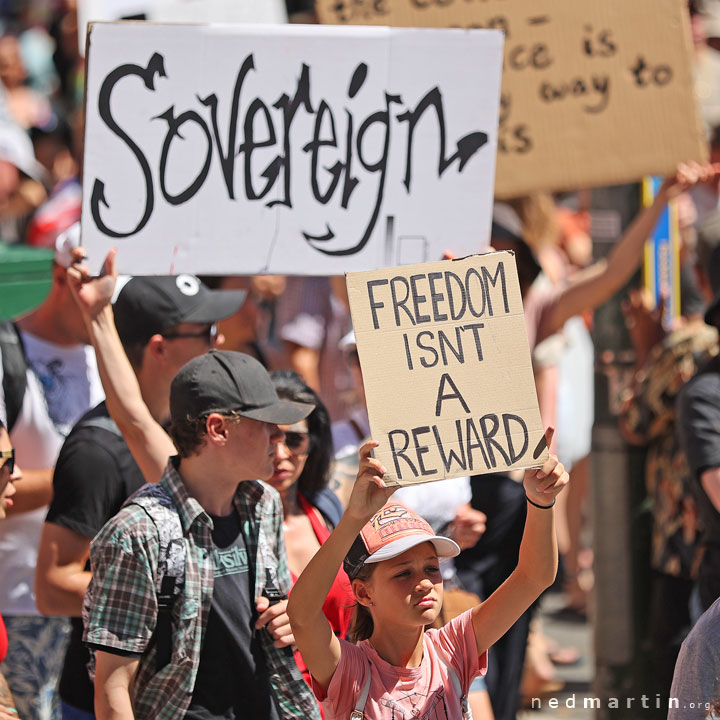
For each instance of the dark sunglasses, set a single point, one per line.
(209, 334)
(297, 442)
(10, 460)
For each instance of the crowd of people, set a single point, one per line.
(192, 523)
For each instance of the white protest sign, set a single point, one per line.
(186, 11)
(287, 149)
(446, 368)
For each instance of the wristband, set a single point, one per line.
(542, 507)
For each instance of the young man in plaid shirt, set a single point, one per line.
(228, 653)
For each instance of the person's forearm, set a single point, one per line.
(625, 257)
(312, 587)
(61, 593)
(592, 287)
(148, 442)
(538, 558)
(33, 492)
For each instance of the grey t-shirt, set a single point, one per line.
(696, 683)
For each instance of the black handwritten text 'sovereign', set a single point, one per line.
(269, 124)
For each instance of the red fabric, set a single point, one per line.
(338, 607)
(3, 640)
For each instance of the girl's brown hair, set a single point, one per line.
(362, 626)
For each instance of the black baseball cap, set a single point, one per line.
(708, 258)
(226, 381)
(151, 304)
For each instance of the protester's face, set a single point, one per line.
(186, 341)
(408, 589)
(253, 443)
(7, 479)
(12, 70)
(290, 456)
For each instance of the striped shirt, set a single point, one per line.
(122, 615)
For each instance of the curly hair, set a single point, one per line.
(316, 473)
(188, 432)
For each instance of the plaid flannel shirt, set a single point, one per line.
(122, 617)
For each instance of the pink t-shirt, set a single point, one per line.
(426, 692)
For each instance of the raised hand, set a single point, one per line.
(643, 323)
(687, 175)
(369, 493)
(92, 294)
(468, 526)
(542, 485)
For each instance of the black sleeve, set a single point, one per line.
(698, 414)
(87, 487)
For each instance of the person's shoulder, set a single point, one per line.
(707, 629)
(707, 379)
(93, 439)
(328, 503)
(131, 528)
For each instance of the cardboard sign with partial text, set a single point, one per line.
(301, 150)
(594, 93)
(446, 368)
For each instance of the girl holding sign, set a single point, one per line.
(391, 556)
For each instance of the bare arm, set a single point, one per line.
(148, 442)
(60, 575)
(35, 491)
(710, 481)
(537, 562)
(313, 634)
(113, 682)
(598, 283)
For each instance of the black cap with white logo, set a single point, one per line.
(226, 381)
(152, 304)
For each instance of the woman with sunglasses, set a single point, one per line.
(311, 510)
(9, 475)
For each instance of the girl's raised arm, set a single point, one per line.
(314, 636)
(538, 559)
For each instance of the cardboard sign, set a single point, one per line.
(446, 368)
(594, 93)
(197, 11)
(287, 149)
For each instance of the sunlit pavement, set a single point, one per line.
(577, 678)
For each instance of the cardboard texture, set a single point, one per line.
(311, 150)
(594, 93)
(446, 367)
(206, 11)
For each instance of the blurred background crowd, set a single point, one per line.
(621, 370)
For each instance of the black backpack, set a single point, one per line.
(14, 369)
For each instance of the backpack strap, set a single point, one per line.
(156, 502)
(102, 422)
(14, 369)
(358, 712)
(464, 704)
